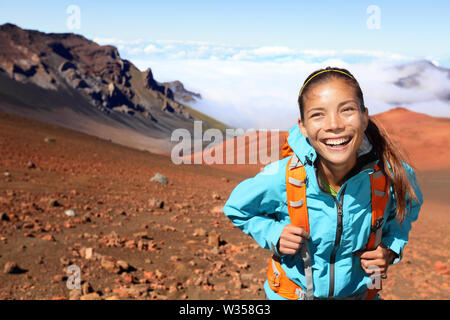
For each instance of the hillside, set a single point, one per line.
(68, 80)
(422, 138)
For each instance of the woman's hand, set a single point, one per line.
(291, 239)
(377, 260)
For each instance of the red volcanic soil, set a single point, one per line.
(423, 138)
(246, 154)
(424, 271)
(130, 246)
(187, 249)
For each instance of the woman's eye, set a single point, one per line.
(315, 115)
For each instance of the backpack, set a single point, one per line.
(298, 214)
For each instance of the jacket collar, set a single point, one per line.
(301, 146)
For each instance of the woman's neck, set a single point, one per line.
(332, 174)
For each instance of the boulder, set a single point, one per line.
(70, 213)
(158, 177)
(12, 268)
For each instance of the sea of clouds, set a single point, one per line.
(257, 87)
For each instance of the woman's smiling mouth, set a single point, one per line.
(337, 144)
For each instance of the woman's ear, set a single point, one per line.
(302, 128)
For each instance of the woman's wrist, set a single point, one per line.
(392, 255)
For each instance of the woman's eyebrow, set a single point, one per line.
(346, 101)
(316, 109)
(339, 105)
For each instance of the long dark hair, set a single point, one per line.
(385, 149)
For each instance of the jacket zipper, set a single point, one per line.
(339, 228)
(337, 241)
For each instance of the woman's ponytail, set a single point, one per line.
(391, 164)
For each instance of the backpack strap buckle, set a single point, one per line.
(378, 224)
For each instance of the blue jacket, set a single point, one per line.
(258, 206)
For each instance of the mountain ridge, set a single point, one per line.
(56, 77)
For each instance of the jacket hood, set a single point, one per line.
(306, 152)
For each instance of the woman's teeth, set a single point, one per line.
(336, 142)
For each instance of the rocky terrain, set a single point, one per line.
(136, 226)
(180, 93)
(130, 236)
(68, 80)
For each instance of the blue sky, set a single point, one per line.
(249, 58)
(407, 27)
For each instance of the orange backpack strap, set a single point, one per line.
(298, 213)
(380, 197)
(296, 193)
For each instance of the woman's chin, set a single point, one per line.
(339, 158)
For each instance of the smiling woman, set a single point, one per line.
(338, 129)
(335, 130)
(336, 198)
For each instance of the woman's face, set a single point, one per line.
(333, 122)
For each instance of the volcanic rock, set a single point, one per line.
(158, 177)
(12, 268)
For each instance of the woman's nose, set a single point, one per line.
(334, 122)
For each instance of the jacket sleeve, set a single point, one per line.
(255, 205)
(395, 234)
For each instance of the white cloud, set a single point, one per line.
(272, 51)
(135, 51)
(180, 54)
(263, 94)
(153, 49)
(241, 55)
(114, 41)
(318, 53)
(257, 87)
(171, 49)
